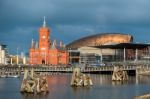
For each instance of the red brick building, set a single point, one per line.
(45, 52)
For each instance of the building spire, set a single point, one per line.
(44, 22)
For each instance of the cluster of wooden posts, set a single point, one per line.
(33, 83)
(119, 74)
(80, 79)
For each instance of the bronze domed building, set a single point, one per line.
(106, 47)
(101, 39)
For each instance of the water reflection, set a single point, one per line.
(35, 96)
(81, 92)
(143, 79)
(59, 88)
(101, 79)
(107, 80)
(119, 83)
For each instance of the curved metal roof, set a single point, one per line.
(124, 45)
(100, 39)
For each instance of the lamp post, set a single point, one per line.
(7, 58)
(124, 54)
(17, 60)
(101, 60)
(136, 54)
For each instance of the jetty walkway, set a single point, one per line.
(45, 68)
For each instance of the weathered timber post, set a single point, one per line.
(80, 79)
(33, 83)
(119, 74)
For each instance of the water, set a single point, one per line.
(59, 87)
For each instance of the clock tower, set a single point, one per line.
(44, 41)
(44, 52)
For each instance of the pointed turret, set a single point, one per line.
(32, 43)
(64, 46)
(36, 45)
(54, 45)
(61, 44)
(44, 22)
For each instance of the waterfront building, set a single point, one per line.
(108, 47)
(3, 54)
(17, 59)
(74, 56)
(45, 51)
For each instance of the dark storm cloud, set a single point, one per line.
(72, 19)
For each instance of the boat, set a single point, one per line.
(12, 76)
(9, 75)
(3, 76)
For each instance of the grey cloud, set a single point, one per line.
(72, 19)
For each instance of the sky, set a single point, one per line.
(70, 20)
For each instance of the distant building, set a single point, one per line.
(3, 55)
(18, 59)
(47, 52)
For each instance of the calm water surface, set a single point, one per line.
(59, 87)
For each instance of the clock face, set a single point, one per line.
(43, 37)
(43, 48)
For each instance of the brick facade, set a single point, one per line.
(45, 52)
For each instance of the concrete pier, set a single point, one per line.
(146, 96)
(46, 68)
(143, 70)
(64, 69)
